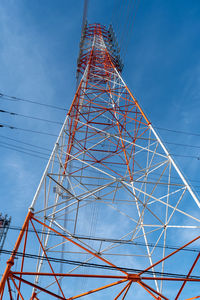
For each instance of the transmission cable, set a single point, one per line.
(177, 131)
(129, 13)
(94, 265)
(51, 134)
(165, 142)
(24, 152)
(25, 143)
(128, 38)
(129, 24)
(108, 240)
(24, 129)
(26, 149)
(47, 149)
(29, 117)
(115, 16)
(13, 98)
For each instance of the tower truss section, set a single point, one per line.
(112, 206)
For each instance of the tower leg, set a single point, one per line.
(10, 262)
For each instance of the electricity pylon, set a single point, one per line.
(111, 203)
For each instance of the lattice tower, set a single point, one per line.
(111, 200)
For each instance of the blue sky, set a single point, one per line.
(38, 52)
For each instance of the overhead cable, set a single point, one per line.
(177, 131)
(25, 143)
(51, 134)
(24, 129)
(24, 152)
(13, 98)
(94, 265)
(109, 240)
(29, 117)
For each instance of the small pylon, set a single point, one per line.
(4, 226)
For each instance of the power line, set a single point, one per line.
(109, 240)
(128, 18)
(51, 134)
(127, 14)
(46, 133)
(166, 142)
(29, 117)
(26, 149)
(128, 39)
(47, 149)
(129, 24)
(186, 156)
(24, 152)
(13, 98)
(177, 131)
(12, 147)
(21, 142)
(94, 265)
(182, 145)
(40, 132)
(24, 129)
(116, 14)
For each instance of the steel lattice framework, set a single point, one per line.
(110, 202)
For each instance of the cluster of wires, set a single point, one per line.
(94, 265)
(111, 240)
(127, 12)
(43, 153)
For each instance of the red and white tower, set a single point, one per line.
(111, 202)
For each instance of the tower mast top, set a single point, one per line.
(90, 32)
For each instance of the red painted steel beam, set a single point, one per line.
(166, 257)
(189, 273)
(80, 246)
(10, 262)
(37, 287)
